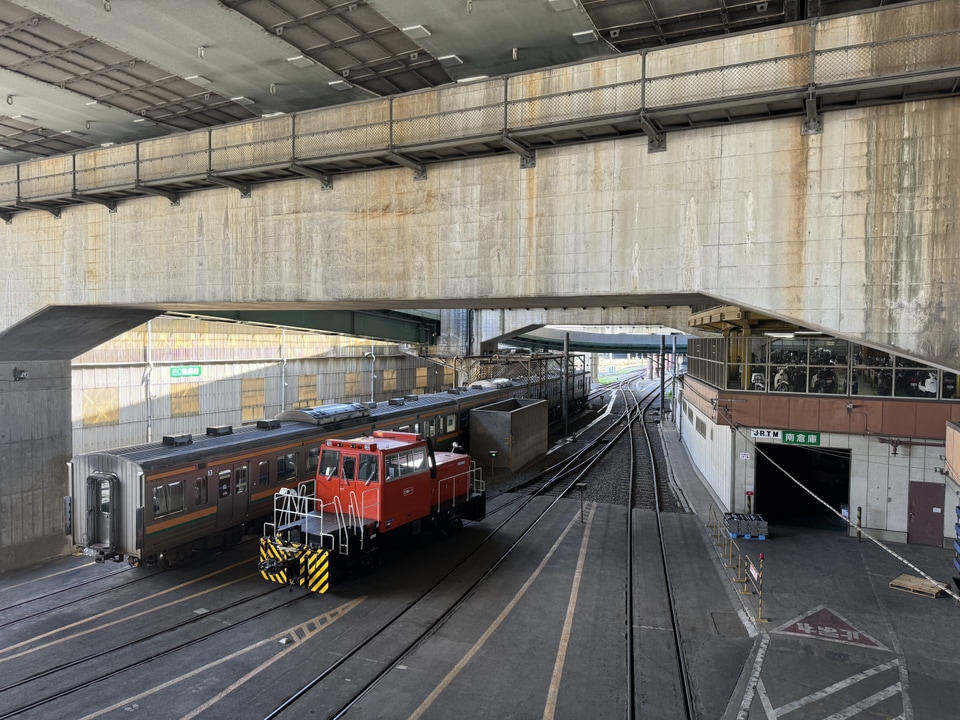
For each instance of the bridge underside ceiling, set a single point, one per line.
(599, 343)
(386, 325)
(63, 332)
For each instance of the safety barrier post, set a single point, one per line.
(742, 576)
(859, 518)
(729, 559)
(760, 617)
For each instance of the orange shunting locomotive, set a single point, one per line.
(366, 490)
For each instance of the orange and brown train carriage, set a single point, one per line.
(367, 490)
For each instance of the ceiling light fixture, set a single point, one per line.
(300, 61)
(94, 105)
(415, 31)
(198, 79)
(241, 100)
(561, 5)
(450, 60)
(339, 84)
(585, 36)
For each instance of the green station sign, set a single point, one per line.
(185, 371)
(794, 437)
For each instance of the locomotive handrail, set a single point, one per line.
(499, 112)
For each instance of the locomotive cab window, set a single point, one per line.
(405, 462)
(368, 469)
(349, 466)
(329, 462)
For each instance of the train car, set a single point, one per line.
(367, 490)
(160, 501)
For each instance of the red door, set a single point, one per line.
(925, 518)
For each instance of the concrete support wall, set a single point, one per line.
(34, 450)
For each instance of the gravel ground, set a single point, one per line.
(616, 462)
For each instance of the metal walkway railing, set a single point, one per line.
(605, 99)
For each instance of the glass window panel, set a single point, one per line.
(200, 492)
(223, 483)
(329, 463)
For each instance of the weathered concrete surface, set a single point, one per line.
(852, 231)
(35, 445)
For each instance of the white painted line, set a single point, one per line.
(765, 702)
(478, 645)
(754, 678)
(836, 687)
(869, 702)
(551, 707)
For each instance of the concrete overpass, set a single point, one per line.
(768, 171)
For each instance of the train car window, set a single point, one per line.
(263, 476)
(329, 462)
(105, 497)
(430, 428)
(223, 483)
(368, 468)
(240, 479)
(168, 499)
(287, 467)
(451, 422)
(313, 459)
(416, 427)
(200, 491)
(349, 466)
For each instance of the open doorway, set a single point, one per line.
(824, 471)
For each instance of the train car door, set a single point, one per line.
(233, 493)
(102, 501)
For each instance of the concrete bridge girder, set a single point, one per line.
(496, 326)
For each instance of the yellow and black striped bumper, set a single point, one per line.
(294, 564)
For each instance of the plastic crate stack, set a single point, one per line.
(749, 526)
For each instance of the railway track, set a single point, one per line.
(358, 664)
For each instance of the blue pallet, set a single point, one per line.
(743, 536)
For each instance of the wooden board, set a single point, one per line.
(917, 585)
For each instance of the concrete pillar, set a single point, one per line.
(35, 446)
